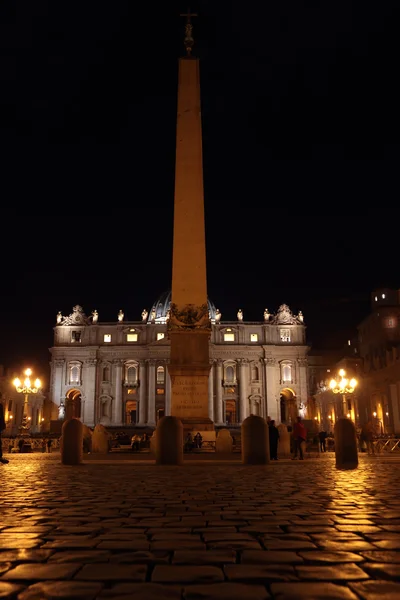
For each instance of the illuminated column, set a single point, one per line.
(302, 366)
(211, 392)
(218, 411)
(151, 420)
(88, 400)
(58, 375)
(167, 392)
(142, 392)
(243, 370)
(271, 390)
(117, 416)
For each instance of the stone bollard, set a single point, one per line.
(284, 441)
(72, 442)
(345, 444)
(255, 441)
(224, 442)
(100, 440)
(169, 441)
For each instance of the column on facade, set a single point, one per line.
(302, 365)
(151, 419)
(271, 393)
(167, 391)
(211, 392)
(88, 408)
(117, 378)
(57, 388)
(142, 392)
(218, 407)
(243, 388)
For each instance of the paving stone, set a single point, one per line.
(342, 572)
(225, 591)
(260, 573)
(260, 557)
(123, 545)
(14, 544)
(235, 545)
(52, 590)
(331, 557)
(186, 574)
(377, 590)
(141, 557)
(211, 557)
(112, 572)
(142, 591)
(172, 544)
(311, 591)
(383, 570)
(4, 567)
(9, 590)
(70, 543)
(39, 571)
(389, 544)
(80, 556)
(382, 556)
(283, 544)
(346, 545)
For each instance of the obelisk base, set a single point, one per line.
(190, 370)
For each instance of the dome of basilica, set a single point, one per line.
(162, 305)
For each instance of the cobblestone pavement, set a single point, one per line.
(289, 530)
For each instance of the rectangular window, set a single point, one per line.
(160, 391)
(131, 391)
(75, 336)
(285, 335)
(229, 337)
(107, 338)
(160, 336)
(254, 337)
(132, 337)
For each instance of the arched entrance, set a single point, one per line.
(73, 404)
(131, 412)
(288, 406)
(230, 411)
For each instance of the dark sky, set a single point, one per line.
(300, 121)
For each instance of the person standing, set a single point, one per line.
(273, 440)
(3, 460)
(299, 437)
(322, 435)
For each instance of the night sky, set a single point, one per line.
(300, 112)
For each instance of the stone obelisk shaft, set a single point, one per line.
(189, 325)
(189, 285)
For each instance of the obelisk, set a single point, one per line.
(189, 323)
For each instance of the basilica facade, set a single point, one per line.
(116, 373)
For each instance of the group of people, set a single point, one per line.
(138, 441)
(192, 442)
(299, 438)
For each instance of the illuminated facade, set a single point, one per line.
(117, 373)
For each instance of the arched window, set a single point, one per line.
(74, 373)
(160, 374)
(286, 373)
(131, 375)
(229, 374)
(106, 373)
(254, 372)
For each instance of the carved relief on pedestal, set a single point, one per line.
(190, 317)
(59, 362)
(303, 362)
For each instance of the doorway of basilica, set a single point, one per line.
(288, 406)
(230, 411)
(131, 412)
(73, 404)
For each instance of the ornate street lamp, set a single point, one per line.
(27, 388)
(343, 386)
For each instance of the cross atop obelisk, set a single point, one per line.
(189, 41)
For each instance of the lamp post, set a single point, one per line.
(27, 388)
(343, 386)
